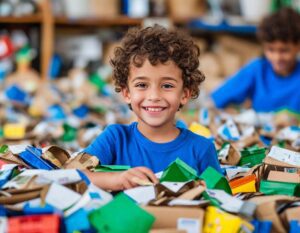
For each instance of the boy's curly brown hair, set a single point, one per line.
(158, 45)
(281, 26)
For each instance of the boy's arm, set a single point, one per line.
(115, 181)
(236, 89)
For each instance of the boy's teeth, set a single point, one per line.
(154, 109)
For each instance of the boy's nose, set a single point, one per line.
(154, 95)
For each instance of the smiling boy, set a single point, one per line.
(156, 71)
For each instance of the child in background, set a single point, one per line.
(156, 71)
(272, 82)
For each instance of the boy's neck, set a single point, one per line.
(159, 134)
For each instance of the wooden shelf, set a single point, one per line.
(30, 19)
(98, 22)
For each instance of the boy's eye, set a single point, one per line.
(140, 85)
(167, 85)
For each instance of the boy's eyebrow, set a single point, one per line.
(146, 78)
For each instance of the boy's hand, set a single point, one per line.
(136, 176)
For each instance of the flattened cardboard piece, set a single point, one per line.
(193, 193)
(121, 215)
(178, 171)
(248, 141)
(232, 156)
(11, 158)
(215, 180)
(79, 187)
(82, 161)
(284, 177)
(167, 217)
(161, 190)
(271, 161)
(55, 155)
(14, 196)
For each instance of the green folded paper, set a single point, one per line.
(178, 171)
(275, 187)
(252, 156)
(121, 215)
(111, 168)
(215, 180)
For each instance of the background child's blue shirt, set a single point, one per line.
(267, 90)
(125, 145)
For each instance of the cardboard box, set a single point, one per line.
(169, 217)
(284, 177)
(104, 8)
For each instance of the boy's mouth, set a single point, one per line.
(153, 109)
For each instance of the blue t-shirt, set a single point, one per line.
(267, 90)
(125, 145)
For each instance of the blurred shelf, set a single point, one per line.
(98, 22)
(29, 19)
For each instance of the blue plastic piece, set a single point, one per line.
(32, 157)
(77, 221)
(15, 93)
(262, 226)
(47, 209)
(56, 64)
(81, 111)
(56, 112)
(83, 177)
(294, 226)
(2, 211)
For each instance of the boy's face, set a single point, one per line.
(282, 56)
(155, 93)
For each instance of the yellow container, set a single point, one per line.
(243, 185)
(14, 131)
(216, 220)
(200, 130)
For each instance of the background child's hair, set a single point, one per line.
(284, 25)
(158, 45)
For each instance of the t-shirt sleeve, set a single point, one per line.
(237, 88)
(210, 158)
(103, 147)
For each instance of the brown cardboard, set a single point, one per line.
(104, 8)
(82, 161)
(233, 156)
(293, 214)
(284, 177)
(186, 9)
(166, 217)
(272, 161)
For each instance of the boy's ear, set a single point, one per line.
(186, 95)
(126, 95)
